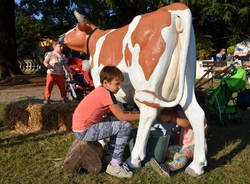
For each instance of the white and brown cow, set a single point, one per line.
(156, 53)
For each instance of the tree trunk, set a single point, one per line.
(8, 57)
(84, 155)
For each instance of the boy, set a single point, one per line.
(88, 123)
(55, 61)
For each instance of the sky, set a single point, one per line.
(17, 2)
(37, 17)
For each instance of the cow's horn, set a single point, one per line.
(79, 17)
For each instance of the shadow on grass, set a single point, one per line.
(22, 138)
(221, 137)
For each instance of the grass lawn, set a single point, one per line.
(31, 158)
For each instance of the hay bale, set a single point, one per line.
(31, 115)
(84, 155)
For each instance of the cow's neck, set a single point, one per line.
(93, 39)
(87, 45)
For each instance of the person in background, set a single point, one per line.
(230, 53)
(88, 123)
(247, 60)
(221, 56)
(237, 61)
(55, 61)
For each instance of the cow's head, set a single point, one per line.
(76, 38)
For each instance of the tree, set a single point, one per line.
(8, 60)
(234, 16)
(217, 23)
(116, 13)
(36, 20)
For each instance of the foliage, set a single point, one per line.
(28, 32)
(204, 47)
(116, 13)
(221, 23)
(234, 14)
(37, 20)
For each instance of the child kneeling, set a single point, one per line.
(88, 123)
(182, 153)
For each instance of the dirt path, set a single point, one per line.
(25, 86)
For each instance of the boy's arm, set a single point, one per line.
(174, 116)
(124, 115)
(246, 63)
(46, 63)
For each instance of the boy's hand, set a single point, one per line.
(51, 68)
(123, 115)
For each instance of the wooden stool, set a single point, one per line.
(84, 154)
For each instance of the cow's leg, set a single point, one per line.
(147, 116)
(196, 117)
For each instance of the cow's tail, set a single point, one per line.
(150, 98)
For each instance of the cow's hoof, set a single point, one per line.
(192, 173)
(133, 163)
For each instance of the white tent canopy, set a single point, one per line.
(242, 48)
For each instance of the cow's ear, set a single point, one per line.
(88, 28)
(81, 26)
(84, 27)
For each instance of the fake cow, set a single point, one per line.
(156, 53)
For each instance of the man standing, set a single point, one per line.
(221, 56)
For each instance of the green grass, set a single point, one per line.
(2, 106)
(31, 158)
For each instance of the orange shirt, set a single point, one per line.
(92, 108)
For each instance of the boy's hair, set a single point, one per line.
(55, 42)
(109, 73)
(223, 50)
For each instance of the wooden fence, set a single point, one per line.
(31, 66)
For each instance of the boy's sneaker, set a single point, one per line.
(46, 102)
(161, 169)
(120, 171)
(66, 100)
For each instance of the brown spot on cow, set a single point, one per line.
(111, 52)
(177, 6)
(128, 56)
(92, 43)
(148, 32)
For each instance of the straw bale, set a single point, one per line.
(31, 115)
